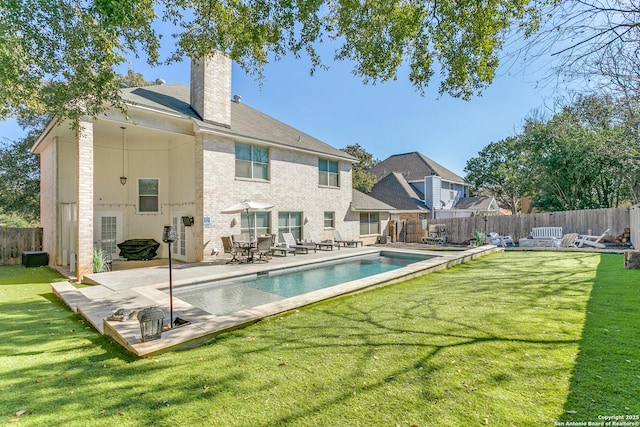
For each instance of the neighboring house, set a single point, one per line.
(414, 184)
(479, 205)
(181, 156)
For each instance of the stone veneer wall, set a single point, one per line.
(293, 187)
(85, 199)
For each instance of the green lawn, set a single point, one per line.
(512, 339)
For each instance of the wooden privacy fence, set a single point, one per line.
(594, 221)
(13, 241)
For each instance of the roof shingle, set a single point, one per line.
(245, 121)
(414, 166)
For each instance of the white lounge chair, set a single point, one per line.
(290, 242)
(569, 240)
(320, 244)
(340, 241)
(496, 239)
(589, 240)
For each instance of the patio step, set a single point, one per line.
(70, 295)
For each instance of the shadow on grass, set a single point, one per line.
(605, 378)
(496, 337)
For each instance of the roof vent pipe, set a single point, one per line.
(237, 99)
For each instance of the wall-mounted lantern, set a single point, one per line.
(123, 179)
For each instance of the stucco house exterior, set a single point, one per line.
(416, 186)
(180, 156)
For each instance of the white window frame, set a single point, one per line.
(297, 231)
(99, 230)
(141, 212)
(331, 218)
(324, 176)
(369, 222)
(252, 162)
(248, 222)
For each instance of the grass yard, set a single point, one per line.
(512, 339)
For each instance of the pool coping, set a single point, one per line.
(145, 287)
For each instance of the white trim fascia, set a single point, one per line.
(43, 135)
(241, 138)
(371, 210)
(421, 180)
(403, 211)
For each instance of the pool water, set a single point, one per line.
(226, 297)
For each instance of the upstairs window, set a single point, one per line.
(252, 161)
(148, 195)
(328, 173)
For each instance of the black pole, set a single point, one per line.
(170, 291)
(169, 236)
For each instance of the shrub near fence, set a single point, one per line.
(13, 241)
(460, 230)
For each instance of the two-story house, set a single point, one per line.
(180, 156)
(414, 184)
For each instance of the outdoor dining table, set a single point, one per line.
(248, 247)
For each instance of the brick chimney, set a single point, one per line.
(211, 88)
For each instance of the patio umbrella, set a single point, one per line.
(247, 206)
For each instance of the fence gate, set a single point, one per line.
(407, 231)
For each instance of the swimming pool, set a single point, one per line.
(229, 296)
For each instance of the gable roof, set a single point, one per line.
(246, 122)
(477, 203)
(394, 190)
(361, 202)
(413, 166)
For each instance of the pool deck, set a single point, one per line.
(139, 288)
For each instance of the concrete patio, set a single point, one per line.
(138, 288)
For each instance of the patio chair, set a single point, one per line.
(228, 248)
(589, 240)
(320, 244)
(568, 240)
(340, 241)
(262, 250)
(496, 239)
(290, 242)
(242, 238)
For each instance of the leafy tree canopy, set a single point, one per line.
(499, 170)
(362, 179)
(585, 156)
(20, 182)
(59, 56)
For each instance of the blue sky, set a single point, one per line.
(388, 118)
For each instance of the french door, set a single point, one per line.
(179, 248)
(108, 232)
